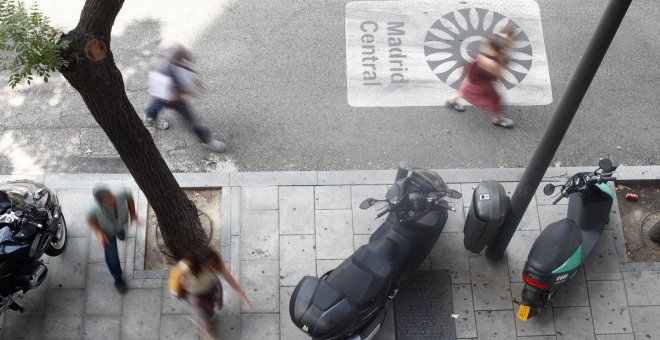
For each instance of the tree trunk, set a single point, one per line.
(93, 73)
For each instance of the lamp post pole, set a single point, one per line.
(561, 120)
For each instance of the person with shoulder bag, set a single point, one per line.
(168, 85)
(194, 279)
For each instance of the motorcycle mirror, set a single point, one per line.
(402, 172)
(605, 164)
(549, 189)
(38, 194)
(451, 193)
(367, 203)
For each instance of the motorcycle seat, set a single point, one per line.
(377, 257)
(557, 242)
(7, 268)
(367, 272)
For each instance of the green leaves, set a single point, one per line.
(28, 44)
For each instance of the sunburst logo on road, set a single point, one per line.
(453, 41)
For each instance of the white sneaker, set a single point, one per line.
(503, 122)
(216, 145)
(158, 123)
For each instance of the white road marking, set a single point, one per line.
(413, 53)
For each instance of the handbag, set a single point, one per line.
(160, 86)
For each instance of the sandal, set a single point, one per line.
(503, 122)
(455, 105)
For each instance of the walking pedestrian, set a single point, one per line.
(175, 79)
(195, 280)
(478, 87)
(109, 217)
(507, 34)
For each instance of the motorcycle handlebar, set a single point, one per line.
(33, 223)
(446, 206)
(569, 188)
(558, 199)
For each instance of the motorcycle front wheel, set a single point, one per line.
(57, 247)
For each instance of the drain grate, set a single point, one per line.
(423, 307)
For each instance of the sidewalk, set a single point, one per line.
(280, 226)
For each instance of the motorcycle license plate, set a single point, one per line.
(523, 312)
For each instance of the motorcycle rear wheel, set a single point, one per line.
(56, 248)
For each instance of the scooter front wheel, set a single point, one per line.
(57, 247)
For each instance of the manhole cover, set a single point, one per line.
(423, 308)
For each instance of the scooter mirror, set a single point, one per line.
(606, 165)
(366, 204)
(615, 163)
(451, 193)
(549, 189)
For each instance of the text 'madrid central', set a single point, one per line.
(415, 53)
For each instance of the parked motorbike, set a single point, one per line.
(31, 224)
(352, 300)
(564, 246)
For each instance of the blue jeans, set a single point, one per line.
(111, 252)
(182, 108)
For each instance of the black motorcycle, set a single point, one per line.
(31, 224)
(564, 246)
(352, 300)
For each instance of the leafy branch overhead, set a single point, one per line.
(28, 44)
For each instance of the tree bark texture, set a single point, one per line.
(93, 73)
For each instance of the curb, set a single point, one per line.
(342, 177)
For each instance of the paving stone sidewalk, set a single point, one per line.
(279, 226)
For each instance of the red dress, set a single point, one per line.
(478, 89)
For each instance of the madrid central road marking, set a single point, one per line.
(414, 53)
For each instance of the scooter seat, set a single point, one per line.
(554, 246)
(367, 272)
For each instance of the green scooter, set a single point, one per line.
(564, 246)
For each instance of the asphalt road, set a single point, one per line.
(275, 91)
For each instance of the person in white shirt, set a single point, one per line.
(168, 86)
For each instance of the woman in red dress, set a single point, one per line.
(478, 87)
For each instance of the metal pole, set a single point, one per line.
(561, 120)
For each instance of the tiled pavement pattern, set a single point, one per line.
(282, 226)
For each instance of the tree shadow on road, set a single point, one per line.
(46, 127)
